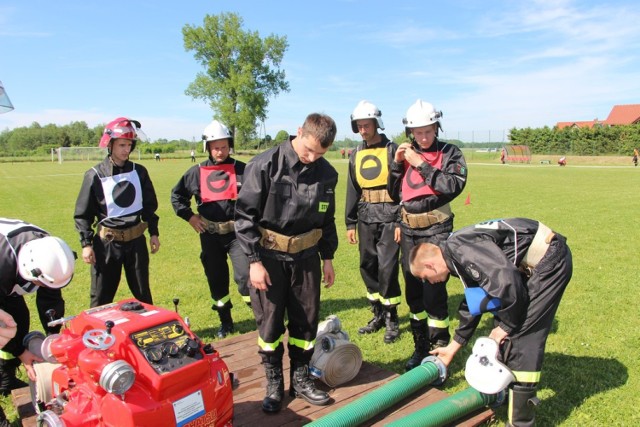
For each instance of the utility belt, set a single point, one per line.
(538, 248)
(121, 234)
(290, 244)
(376, 196)
(225, 227)
(426, 219)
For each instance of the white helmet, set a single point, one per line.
(365, 110)
(215, 131)
(48, 260)
(484, 371)
(421, 114)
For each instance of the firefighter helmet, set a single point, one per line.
(122, 127)
(215, 131)
(366, 110)
(48, 260)
(421, 114)
(483, 371)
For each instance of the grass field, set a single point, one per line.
(590, 377)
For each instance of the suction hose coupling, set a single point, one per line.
(442, 369)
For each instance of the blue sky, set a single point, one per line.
(489, 66)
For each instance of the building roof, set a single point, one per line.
(628, 114)
(588, 124)
(624, 115)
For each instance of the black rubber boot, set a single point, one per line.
(522, 406)
(226, 321)
(420, 342)
(4, 422)
(377, 322)
(304, 387)
(392, 330)
(8, 379)
(272, 402)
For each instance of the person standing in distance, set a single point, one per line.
(285, 222)
(214, 184)
(118, 195)
(372, 212)
(426, 175)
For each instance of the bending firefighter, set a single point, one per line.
(372, 212)
(520, 269)
(214, 184)
(426, 175)
(30, 261)
(118, 195)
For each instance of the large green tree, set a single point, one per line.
(242, 71)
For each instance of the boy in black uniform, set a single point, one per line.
(285, 224)
(30, 260)
(214, 183)
(370, 208)
(426, 175)
(118, 194)
(522, 264)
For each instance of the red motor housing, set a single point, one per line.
(134, 364)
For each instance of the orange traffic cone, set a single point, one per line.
(467, 201)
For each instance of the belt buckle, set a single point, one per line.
(526, 270)
(109, 236)
(269, 242)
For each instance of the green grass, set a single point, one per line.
(591, 354)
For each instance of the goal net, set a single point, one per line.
(66, 154)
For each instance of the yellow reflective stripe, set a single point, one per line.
(246, 299)
(373, 297)
(510, 410)
(390, 301)
(527, 376)
(221, 302)
(5, 355)
(437, 323)
(269, 346)
(418, 316)
(305, 345)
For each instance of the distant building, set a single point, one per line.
(589, 124)
(624, 115)
(620, 115)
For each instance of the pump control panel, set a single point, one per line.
(167, 347)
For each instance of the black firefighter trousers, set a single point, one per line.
(294, 293)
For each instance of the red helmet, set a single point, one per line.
(122, 127)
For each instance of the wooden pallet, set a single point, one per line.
(241, 356)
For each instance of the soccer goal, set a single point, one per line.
(65, 154)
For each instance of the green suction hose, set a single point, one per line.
(446, 410)
(368, 406)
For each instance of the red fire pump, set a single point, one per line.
(130, 364)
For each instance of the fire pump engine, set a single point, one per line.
(129, 364)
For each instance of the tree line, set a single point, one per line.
(37, 140)
(596, 141)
